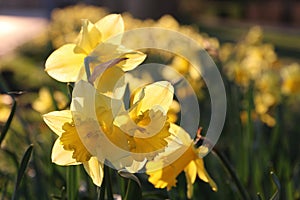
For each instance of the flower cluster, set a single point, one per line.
(253, 64)
(98, 128)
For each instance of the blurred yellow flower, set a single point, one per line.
(173, 112)
(250, 58)
(5, 107)
(267, 95)
(66, 22)
(68, 148)
(189, 72)
(291, 79)
(189, 161)
(45, 102)
(65, 64)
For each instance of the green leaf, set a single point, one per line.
(9, 120)
(21, 171)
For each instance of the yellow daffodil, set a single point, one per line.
(45, 101)
(68, 148)
(65, 64)
(5, 104)
(135, 135)
(185, 158)
(291, 79)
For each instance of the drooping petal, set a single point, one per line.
(95, 170)
(89, 37)
(56, 119)
(112, 82)
(62, 157)
(109, 26)
(203, 175)
(190, 174)
(159, 93)
(133, 59)
(64, 64)
(166, 175)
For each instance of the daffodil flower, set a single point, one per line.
(135, 135)
(68, 148)
(163, 175)
(66, 63)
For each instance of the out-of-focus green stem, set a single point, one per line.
(226, 164)
(72, 182)
(108, 183)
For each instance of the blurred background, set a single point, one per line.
(255, 44)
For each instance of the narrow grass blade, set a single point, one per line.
(22, 169)
(9, 120)
(276, 181)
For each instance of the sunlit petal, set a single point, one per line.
(134, 58)
(112, 82)
(159, 93)
(62, 157)
(203, 175)
(95, 170)
(56, 119)
(64, 64)
(89, 37)
(190, 174)
(109, 26)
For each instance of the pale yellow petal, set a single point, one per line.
(64, 64)
(112, 82)
(159, 93)
(109, 26)
(89, 37)
(180, 135)
(56, 119)
(95, 170)
(203, 175)
(133, 59)
(62, 157)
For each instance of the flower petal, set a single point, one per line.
(89, 36)
(159, 93)
(56, 119)
(112, 82)
(62, 157)
(95, 170)
(109, 26)
(203, 175)
(133, 59)
(190, 174)
(64, 64)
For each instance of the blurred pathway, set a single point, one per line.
(16, 30)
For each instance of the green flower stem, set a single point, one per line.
(226, 164)
(107, 183)
(72, 182)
